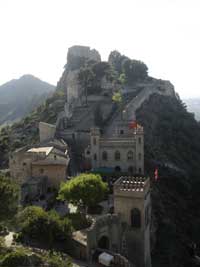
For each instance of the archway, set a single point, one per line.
(117, 169)
(103, 242)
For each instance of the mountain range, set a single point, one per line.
(19, 97)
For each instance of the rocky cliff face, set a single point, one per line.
(77, 57)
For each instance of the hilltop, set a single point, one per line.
(19, 97)
(84, 98)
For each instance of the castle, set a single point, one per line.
(121, 152)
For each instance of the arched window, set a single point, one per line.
(117, 155)
(94, 141)
(139, 156)
(135, 218)
(105, 155)
(130, 155)
(95, 156)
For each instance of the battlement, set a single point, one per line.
(129, 185)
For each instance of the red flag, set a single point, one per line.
(156, 174)
(133, 125)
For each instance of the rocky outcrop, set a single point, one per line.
(77, 57)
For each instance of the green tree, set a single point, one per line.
(134, 70)
(8, 198)
(117, 98)
(45, 227)
(85, 189)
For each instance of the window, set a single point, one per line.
(130, 169)
(55, 157)
(121, 131)
(140, 170)
(104, 155)
(41, 171)
(139, 156)
(24, 163)
(95, 156)
(117, 155)
(130, 155)
(135, 218)
(94, 141)
(88, 152)
(139, 140)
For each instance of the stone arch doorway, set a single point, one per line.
(117, 169)
(104, 242)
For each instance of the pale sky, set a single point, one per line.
(165, 34)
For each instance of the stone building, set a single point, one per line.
(132, 203)
(45, 160)
(123, 151)
(127, 231)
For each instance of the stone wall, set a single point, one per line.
(55, 173)
(47, 131)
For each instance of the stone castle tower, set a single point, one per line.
(132, 204)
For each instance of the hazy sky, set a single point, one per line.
(165, 34)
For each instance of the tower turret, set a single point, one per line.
(132, 203)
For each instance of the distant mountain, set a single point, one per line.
(193, 105)
(19, 97)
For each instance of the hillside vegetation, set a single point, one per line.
(172, 145)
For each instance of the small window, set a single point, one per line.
(41, 171)
(104, 155)
(55, 157)
(130, 155)
(140, 170)
(95, 156)
(88, 152)
(117, 155)
(94, 141)
(139, 140)
(24, 163)
(121, 131)
(139, 156)
(135, 218)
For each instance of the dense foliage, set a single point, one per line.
(85, 189)
(21, 256)
(172, 144)
(129, 71)
(8, 198)
(43, 227)
(91, 75)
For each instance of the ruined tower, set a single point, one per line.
(132, 204)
